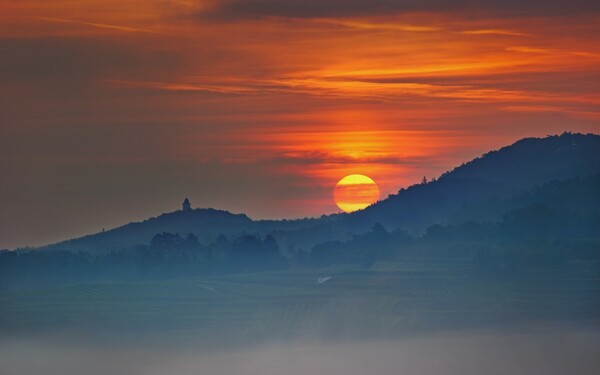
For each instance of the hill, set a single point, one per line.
(480, 190)
(534, 161)
(202, 222)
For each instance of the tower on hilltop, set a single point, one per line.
(186, 205)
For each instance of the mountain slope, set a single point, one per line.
(534, 161)
(479, 189)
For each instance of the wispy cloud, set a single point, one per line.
(100, 25)
(396, 90)
(494, 32)
(551, 51)
(380, 26)
(543, 108)
(182, 86)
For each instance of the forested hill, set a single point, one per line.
(206, 224)
(480, 190)
(534, 161)
(202, 222)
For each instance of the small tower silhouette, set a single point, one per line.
(186, 205)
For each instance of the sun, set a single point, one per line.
(355, 192)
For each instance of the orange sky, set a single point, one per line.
(113, 111)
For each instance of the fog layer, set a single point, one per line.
(551, 351)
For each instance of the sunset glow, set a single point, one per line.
(256, 107)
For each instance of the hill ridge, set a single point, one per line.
(473, 191)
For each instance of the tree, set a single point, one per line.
(165, 240)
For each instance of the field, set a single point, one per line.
(389, 299)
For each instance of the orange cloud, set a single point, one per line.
(494, 32)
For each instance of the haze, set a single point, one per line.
(550, 351)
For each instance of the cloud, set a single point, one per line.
(316, 157)
(342, 8)
(494, 32)
(69, 60)
(184, 86)
(381, 26)
(99, 25)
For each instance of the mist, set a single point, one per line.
(541, 350)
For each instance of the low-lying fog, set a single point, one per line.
(541, 351)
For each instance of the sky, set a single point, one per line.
(115, 110)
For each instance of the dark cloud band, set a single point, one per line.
(343, 8)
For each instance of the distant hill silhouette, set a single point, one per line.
(534, 161)
(206, 223)
(481, 190)
(202, 222)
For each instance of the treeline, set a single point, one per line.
(529, 236)
(535, 235)
(168, 255)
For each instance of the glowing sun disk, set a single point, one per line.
(355, 192)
